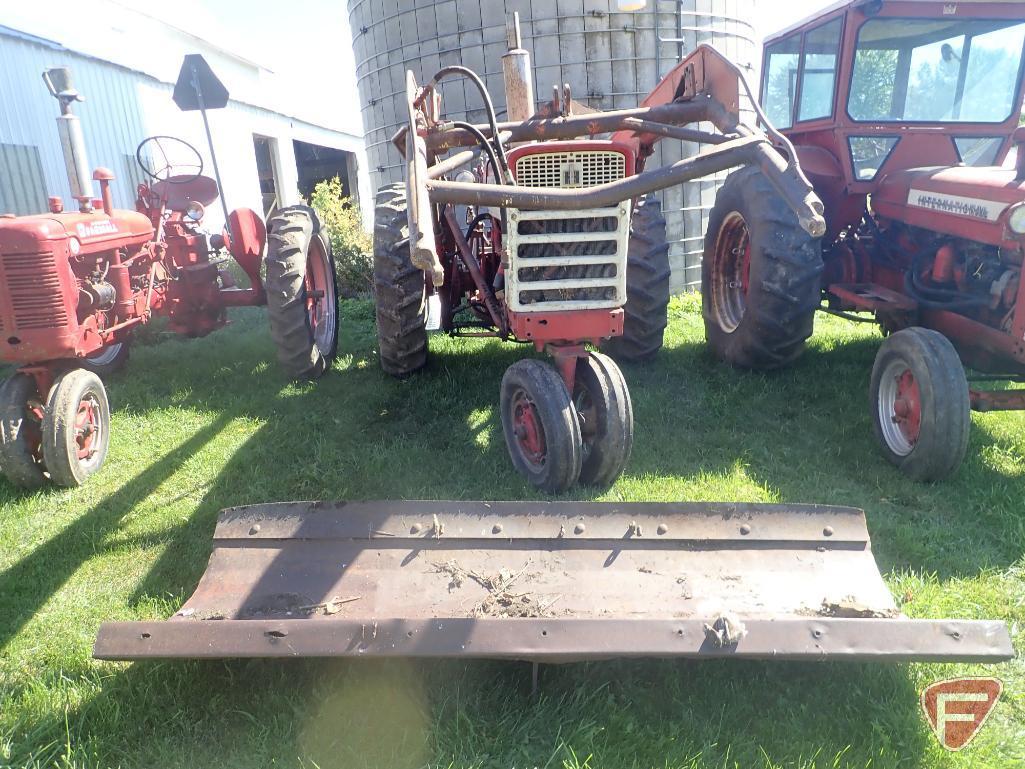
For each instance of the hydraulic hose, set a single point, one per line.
(489, 106)
(484, 143)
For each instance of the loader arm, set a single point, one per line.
(704, 87)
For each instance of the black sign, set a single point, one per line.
(198, 86)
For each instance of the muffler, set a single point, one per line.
(69, 127)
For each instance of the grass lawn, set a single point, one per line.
(200, 425)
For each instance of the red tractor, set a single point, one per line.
(903, 114)
(75, 285)
(540, 230)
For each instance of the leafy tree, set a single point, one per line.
(351, 244)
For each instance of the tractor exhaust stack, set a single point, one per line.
(58, 81)
(519, 83)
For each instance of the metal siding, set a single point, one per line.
(21, 180)
(610, 59)
(122, 107)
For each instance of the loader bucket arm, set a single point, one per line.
(704, 87)
(543, 581)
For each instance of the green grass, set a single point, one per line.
(200, 425)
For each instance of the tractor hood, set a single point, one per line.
(94, 232)
(963, 201)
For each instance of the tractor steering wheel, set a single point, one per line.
(169, 159)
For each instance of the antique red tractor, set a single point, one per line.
(75, 285)
(903, 113)
(538, 230)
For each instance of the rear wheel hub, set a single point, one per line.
(731, 272)
(320, 296)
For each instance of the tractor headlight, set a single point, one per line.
(195, 211)
(1016, 220)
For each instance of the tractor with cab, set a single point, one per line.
(904, 115)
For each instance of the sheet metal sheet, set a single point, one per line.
(552, 581)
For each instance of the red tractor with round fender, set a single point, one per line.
(902, 114)
(75, 285)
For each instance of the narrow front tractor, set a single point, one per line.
(75, 285)
(903, 114)
(541, 231)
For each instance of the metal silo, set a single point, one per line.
(610, 58)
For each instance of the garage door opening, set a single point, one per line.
(315, 163)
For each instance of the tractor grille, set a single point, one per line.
(560, 260)
(569, 169)
(33, 289)
(568, 260)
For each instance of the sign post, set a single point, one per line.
(198, 88)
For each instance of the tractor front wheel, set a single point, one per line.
(20, 437)
(920, 405)
(759, 275)
(76, 427)
(302, 294)
(540, 423)
(603, 407)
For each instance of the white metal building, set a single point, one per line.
(268, 146)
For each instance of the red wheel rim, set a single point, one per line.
(907, 407)
(527, 429)
(731, 271)
(320, 295)
(87, 428)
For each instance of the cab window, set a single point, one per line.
(818, 70)
(779, 83)
(936, 70)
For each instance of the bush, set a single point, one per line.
(351, 244)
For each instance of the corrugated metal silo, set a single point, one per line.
(611, 60)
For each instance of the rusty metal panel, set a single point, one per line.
(557, 640)
(552, 581)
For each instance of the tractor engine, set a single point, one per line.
(61, 275)
(948, 273)
(568, 261)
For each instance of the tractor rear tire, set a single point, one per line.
(759, 277)
(647, 287)
(107, 361)
(302, 293)
(400, 289)
(920, 404)
(603, 406)
(540, 423)
(19, 434)
(76, 427)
